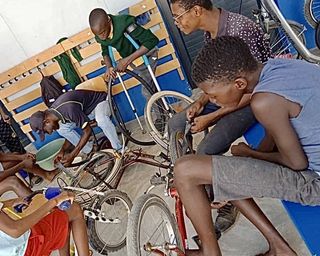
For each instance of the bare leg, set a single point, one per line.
(65, 250)
(47, 175)
(278, 246)
(191, 173)
(79, 229)
(14, 184)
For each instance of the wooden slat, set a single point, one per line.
(90, 50)
(77, 39)
(28, 112)
(24, 99)
(162, 69)
(155, 20)
(142, 7)
(161, 34)
(44, 56)
(31, 63)
(20, 85)
(26, 128)
(12, 73)
(96, 64)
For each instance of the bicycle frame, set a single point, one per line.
(303, 50)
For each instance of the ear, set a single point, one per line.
(197, 10)
(241, 83)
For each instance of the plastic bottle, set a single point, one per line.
(53, 192)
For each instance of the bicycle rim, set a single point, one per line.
(281, 44)
(107, 231)
(102, 167)
(175, 101)
(135, 129)
(312, 12)
(151, 224)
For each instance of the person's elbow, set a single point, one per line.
(14, 231)
(299, 164)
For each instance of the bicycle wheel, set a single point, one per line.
(280, 43)
(150, 225)
(103, 166)
(176, 146)
(175, 102)
(107, 228)
(135, 130)
(312, 12)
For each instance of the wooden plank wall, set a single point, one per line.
(20, 84)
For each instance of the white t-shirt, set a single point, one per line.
(10, 246)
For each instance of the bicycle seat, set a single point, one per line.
(317, 35)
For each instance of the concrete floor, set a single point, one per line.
(242, 239)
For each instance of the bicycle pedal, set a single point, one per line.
(100, 217)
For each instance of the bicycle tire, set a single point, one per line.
(112, 198)
(139, 209)
(155, 102)
(103, 166)
(176, 146)
(138, 136)
(281, 43)
(312, 12)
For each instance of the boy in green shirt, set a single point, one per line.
(109, 31)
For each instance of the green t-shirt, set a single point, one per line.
(142, 36)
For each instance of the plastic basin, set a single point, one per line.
(46, 154)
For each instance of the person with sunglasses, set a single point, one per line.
(230, 122)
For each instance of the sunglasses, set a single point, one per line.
(176, 18)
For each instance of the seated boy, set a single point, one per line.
(285, 96)
(109, 31)
(11, 163)
(43, 231)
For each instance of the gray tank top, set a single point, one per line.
(298, 81)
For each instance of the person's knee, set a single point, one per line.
(13, 183)
(183, 170)
(210, 149)
(103, 120)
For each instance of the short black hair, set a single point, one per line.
(223, 58)
(96, 16)
(188, 4)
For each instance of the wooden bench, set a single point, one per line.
(19, 86)
(305, 218)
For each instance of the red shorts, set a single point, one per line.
(49, 234)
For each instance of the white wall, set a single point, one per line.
(29, 27)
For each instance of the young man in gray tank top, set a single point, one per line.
(230, 123)
(285, 96)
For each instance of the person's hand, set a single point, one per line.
(242, 149)
(6, 118)
(59, 156)
(110, 73)
(28, 163)
(122, 65)
(29, 155)
(64, 196)
(194, 110)
(218, 205)
(200, 123)
(67, 159)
